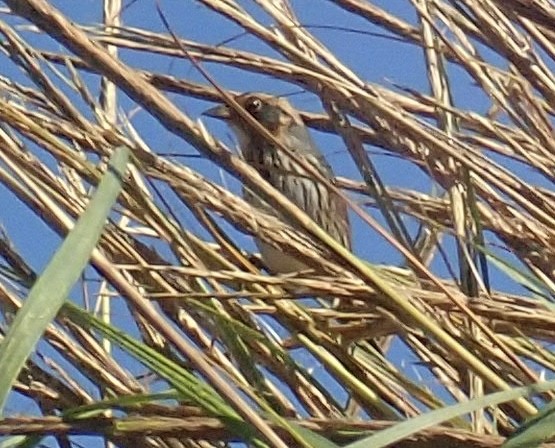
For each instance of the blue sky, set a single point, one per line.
(375, 59)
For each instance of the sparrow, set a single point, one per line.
(325, 207)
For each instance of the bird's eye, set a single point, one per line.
(254, 105)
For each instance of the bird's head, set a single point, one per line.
(274, 113)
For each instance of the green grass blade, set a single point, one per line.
(186, 383)
(53, 286)
(538, 429)
(400, 431)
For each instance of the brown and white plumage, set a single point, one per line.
(280, 170)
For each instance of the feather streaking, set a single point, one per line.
(327, 209)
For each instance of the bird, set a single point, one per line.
(325, 207)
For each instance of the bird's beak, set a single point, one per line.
(221, 112)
